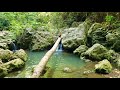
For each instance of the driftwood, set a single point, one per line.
(40, 67)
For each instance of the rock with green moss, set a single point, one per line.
(103, 67)
(74, 37)
(10, 66)
(24, 41)
(113, 39)
(5, 38)
(96, 34)
(3, 71)
(13, 64)
(96, 52)
(5, 55)
(42, 40)
(94, 27)
(111, 55)
(20, 54)
(80, 49)
(1, 62)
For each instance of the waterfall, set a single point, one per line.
(13, 47)
(59, 48)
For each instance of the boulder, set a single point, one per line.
(20, 54)
(93, 28)
(96, 34)
(74, 37)
(111, 55)
(80, 49)
(113, 39)
(25, 39)
(42, 40)
(67, 70)
(3, 71)
(117, 62)
(96, 52)
(5, 55)
(5, 38)
(103, 67)
(13, 65)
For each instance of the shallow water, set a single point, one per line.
(57, 62)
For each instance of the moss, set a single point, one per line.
(80, 49)
(111, 55)
(94, 27)
(5, 55)
(20, 54)
(113, 39)
(96, 52)
(103, 67)
(42, 40)
(74, 37)
(3, 72)
(13, 64)
(117, 62)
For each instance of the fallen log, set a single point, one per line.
(40, 67)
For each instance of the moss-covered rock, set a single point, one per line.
(111, 55)
(96, 52)
(13, 64)
(94, 27)
(24, 41)
(96, 34)
(42, 40)
(3, 71)
(80, 49)
(20, 54)
(103, 67)
(117, 62)
(1, 62)
(5, 38)
(74, 37)
(10, 66)
(113, 39)
(5, 55)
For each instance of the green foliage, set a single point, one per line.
(110, 18)
(16, 22)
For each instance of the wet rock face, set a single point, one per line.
(103, 67)
(74, 37)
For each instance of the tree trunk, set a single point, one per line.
(40, 67)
